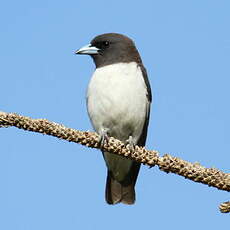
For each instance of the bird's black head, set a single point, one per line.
(111, 48)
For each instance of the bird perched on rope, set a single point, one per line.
(118, 103)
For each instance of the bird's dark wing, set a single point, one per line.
(142, 140)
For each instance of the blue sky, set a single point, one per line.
(47, 183)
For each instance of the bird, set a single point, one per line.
(118, 104)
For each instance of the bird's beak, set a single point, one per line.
(88, 49)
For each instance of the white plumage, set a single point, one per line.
(117, 101)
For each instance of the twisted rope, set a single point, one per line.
(167, 163)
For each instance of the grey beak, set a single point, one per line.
(88, 49)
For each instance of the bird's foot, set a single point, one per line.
(131, 144)
(103, 137)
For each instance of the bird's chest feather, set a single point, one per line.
(116, 96)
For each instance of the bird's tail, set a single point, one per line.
(117, 192)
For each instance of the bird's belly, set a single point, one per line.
(120, 116)
(118, 103)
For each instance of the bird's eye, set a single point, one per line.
(106, 44)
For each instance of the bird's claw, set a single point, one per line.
(130, 144)
(103, 138)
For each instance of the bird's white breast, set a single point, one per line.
(117, 101)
